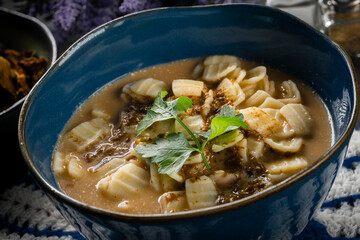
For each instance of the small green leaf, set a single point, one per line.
(162, 110)
(227, 137)
(205, 135)
(183, 103)
(169, 153)
(220, 125)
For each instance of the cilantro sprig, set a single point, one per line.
(170, 153)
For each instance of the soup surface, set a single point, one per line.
(188, 135)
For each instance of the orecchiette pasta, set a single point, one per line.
(148, 87)
(223, 179)
(289, 145)
(209, 98)
(174, 201)
(289, 92)
(127, 180)
(232, 91)
(88, 133)
(255, 75)
(287, 166)
(262, 122)
(200, 192)
(255, 148)
(257, 98)
(214, 72)
(298, 118)
(184, 87)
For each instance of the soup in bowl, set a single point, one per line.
(192, 122)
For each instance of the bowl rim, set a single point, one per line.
(205, 212)
(48, 34)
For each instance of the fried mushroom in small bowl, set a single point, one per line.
(27, 50)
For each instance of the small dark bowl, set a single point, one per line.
(125, 45)
(20, 32)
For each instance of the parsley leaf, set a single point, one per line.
(169, 153)
(162, 110)
(225, 122)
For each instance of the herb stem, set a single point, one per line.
(195, 140)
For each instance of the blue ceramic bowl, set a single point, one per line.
(128, 44)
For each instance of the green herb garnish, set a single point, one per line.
(170, 153)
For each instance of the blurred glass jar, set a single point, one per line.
(340, 20)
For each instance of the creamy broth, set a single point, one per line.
(109, 101)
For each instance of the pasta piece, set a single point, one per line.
(198, 71)
(265, 84)
(200, 192)
(137, 155)
(255, 147)
(298, 118)
(174, 201)
(183, 87)
(289, 92)
(216, 59)
(155, 177)
(241, 76)
(88, 133)
(248, 90)
(234, 74)
(168, 184)
(255, 75)
(271, 102)
(156, 129)
(69, 164)
(223, 179)
(272, 112)
(242, 150)
(177, 177)
(59, 163)
(287, 166)
(286, 131)
(232, 91)
(110, 165)
(276, 178)
(209, 98)
(286, 146)
(194, 159)
(163, 127)
(272, 89)
(128, 180)
(231, 138)
(257, 98)
(100, 113)
(260, 121)
(145, 88)
(219, 66)
(195, 124)
(75, 167)
(215, 72)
